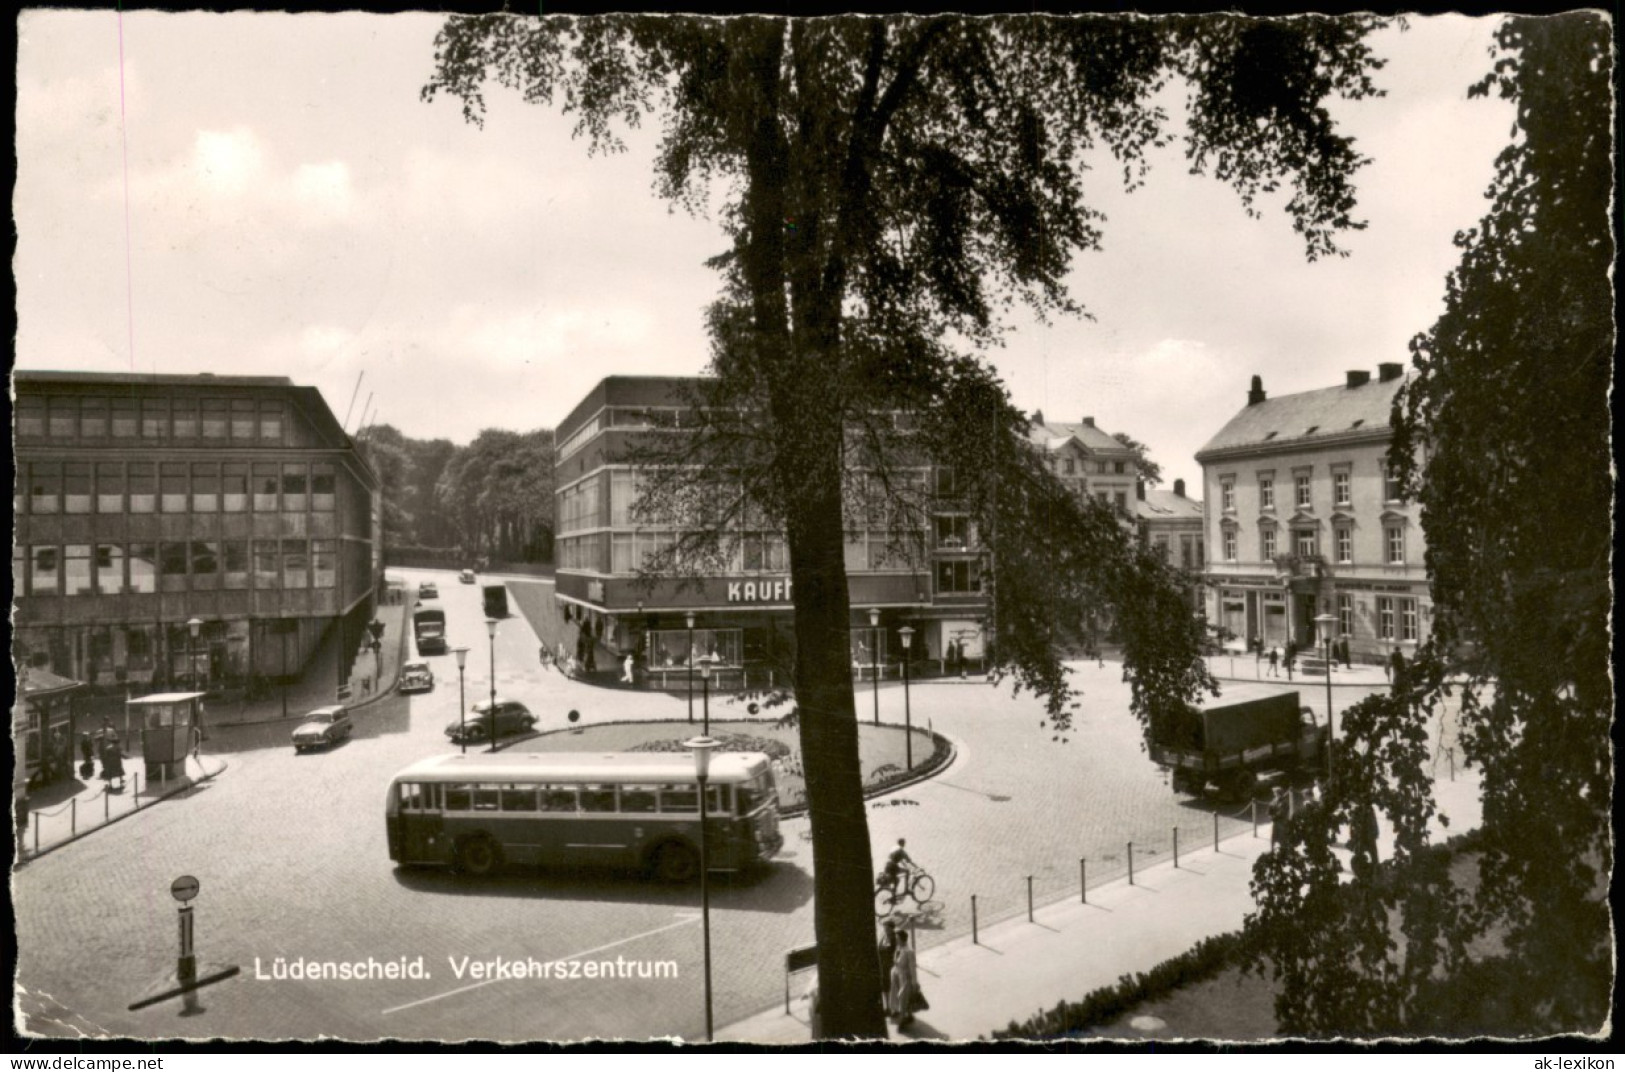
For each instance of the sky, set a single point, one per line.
(267, 194)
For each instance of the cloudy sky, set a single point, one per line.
(267, 194)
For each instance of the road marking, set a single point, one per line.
(684, 919)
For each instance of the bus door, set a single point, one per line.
(422, 830)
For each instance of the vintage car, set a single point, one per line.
(416, 677)
(511, 717)
(466, 577)
(428, 590)
(321, 728)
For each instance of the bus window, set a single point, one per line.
(485, 798)
(411, 796)
(598, 799)
(519, 798)
(716, 800)
(638, 798)
(679, 798)
(459, 798)
(558, 798)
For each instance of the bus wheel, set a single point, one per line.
(676, 862)
(479, 856)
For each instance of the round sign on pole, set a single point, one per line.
(184, 888)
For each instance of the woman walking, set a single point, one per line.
(906, 999)
(887, 950)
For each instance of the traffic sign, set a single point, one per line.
(184, 888)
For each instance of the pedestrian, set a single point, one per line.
(887, 950)
(1275, 659)
(1291, 654)
(1388, 667)
(626, 671)
(1398, 661)
(112, 766)
(591, 662)
(906, 998)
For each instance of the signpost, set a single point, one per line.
(186, 981)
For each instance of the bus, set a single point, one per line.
(477, 812)
(429, 627)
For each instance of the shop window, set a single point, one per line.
(76, 488)
(143, 567)
(143, 479)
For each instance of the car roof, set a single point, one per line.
(331, 709)
(502, 701)
(414, 666)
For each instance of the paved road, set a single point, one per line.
(291, 854)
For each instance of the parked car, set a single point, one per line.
(466, 577)
(511, 717)
(416, 677)
(321, 728)
(428, 590)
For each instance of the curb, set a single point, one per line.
(24, 861)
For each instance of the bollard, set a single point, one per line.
(1131, 863)
(36, 833)
(1029, 898)
(137, 790)
(73, 817)
(1255, 818)
(107, 805)
(1083, 880)
(1215, 831)
(975, 939)
(1176, 848)
(1451, 753)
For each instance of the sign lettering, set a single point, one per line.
(759, 591)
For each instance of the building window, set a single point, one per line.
(958, 577)
(1159, 546)
(1303, 490)
(93, 418)
(1117, 467)
(234, 488)
(1201, 551)
(294, 480)
(1306, 543)
(1395, 538)
(143, 487)
(234, 562)
(1345, 614)
(30, 417)
(1229, 545)
(109, 488)
(154, 418)
(172, 566)
(243, 425)
(266, 566)
(45, 488)
(324, 563)
(322, 486)
(19, 571)
(265, 487)
(1345, 545)
(1069, 466)
(1385, 618)
(205, 565)
(947, 482)
(1187, 551)
(1340, 487)
(1407, 619)
(1100, 467)
(1266, 538)
(143, 567)
(172, 487)
(216, 414)
(44, 576)
(952, 531)
(205, 489)
(1266, 493)
(77, 576)
(64, 418)
(126, 418)
(76, 488)
(295, 564)
(271, 421)
(1227, 495)
(184, 415)
(1391, 491)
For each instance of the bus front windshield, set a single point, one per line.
(756, 793)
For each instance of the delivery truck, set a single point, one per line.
(1229, 743)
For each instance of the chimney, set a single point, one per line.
(1179, 488)
(1359, 377)
(1038, 416)
(1256, 394)
(1139, 490)
(1389, 370)
(1088, 422)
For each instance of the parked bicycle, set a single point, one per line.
(913, 883)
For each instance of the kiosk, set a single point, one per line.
(171, 723)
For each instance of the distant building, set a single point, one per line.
(1171, 524)
(1089, 461)
(1303, 519)
(145, 503)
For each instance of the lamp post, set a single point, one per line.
(689, 662)
(874, 658)
(702, 747)
(1326, 621)
(907, 636)
(462, 701)
(705, 685)
(491, 632)
(193, 628)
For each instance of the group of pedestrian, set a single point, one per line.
(106, 747)
(899, 976)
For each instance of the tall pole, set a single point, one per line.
(907, 635)
(874, 659)
(462, 700)
(705, 684)
(1326, 621)
(491, 631)
(689, 662)
(702, 748)
(282, 627)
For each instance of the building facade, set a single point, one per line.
(1172, 525)
(1089, 461)
(205, 530)
(739, 617)
(1303, 519)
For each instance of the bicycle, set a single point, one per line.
(914, 883)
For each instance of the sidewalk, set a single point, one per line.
(1247, 667)
(69, 818)
(1019, 968)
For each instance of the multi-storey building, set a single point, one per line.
(740, 616)
(186, 529)
(1304, 519)
(1088, 461)
(1171, 524)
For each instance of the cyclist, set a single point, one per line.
(897, 862)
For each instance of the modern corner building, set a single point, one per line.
(741, 618)
(1304, 519)
(225, 522)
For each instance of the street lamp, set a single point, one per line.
(491, 631)
(874, 658)
(193, 627)
(702, 748)
(462, 701)
(1326, 621)
(705, 685)
(906, 634)
(689, 662)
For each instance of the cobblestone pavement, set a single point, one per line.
(291, 855)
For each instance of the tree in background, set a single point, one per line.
(1503, 435)
(891, 185)
(1150, 471)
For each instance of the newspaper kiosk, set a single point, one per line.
(171, 724)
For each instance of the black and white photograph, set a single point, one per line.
(867, 531)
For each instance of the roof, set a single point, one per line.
(36, 682)
(1159, 505)
(595, 766)
(1327, 414)
(167, 697)
(141, 379)
(1053, 436)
